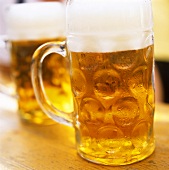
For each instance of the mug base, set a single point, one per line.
(114, 160)
(36, 117)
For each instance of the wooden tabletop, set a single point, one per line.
(25, 147)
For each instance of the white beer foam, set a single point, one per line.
(35, 20)
(109, 25)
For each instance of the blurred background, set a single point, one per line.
(161, 32)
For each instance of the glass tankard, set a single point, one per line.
(110, 50)
(29, 25)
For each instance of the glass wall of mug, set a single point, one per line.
(110, 46)
(29, 25)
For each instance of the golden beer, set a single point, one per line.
(111, 53)
(114, 104)
(56, 81)
(30, 25)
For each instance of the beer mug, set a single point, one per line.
(110, 49)
(30, 25)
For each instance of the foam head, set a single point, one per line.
(109, 25)
(35, 20)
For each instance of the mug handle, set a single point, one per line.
(37, 81)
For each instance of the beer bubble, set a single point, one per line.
(78, 82)
(106, 83)
(126, 111)
(91, 111)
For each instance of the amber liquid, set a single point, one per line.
(55, 78)
(114, 105)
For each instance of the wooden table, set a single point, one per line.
(24, 147)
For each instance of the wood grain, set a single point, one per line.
(25, 147)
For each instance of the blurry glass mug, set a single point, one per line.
(110, 50)
(29, 25)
